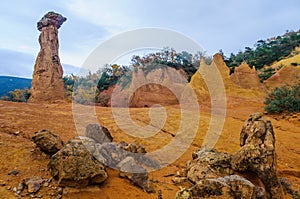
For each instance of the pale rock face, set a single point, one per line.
(47, 83)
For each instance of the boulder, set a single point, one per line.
(133, 171)
(258, 154)
(47, 83)
(208, 163)
(74, 166)
(48, 142)
(99, 133)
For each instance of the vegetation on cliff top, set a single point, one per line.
(266, 52)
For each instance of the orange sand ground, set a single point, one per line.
(19, 121)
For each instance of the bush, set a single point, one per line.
(281, 99)
(17, 95)
(294, 64)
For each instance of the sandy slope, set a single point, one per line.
(18, 152)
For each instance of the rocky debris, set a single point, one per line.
(214, 173)
(13, 172)
(228, 187)
(129, 159)
(33, 185)
(47, 83)
(48, 142)
(75, 166)
(99, 133)
(82, 160)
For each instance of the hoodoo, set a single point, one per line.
(47, 83)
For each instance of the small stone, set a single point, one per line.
(33, 184)
(15, 189)
(178, 180)
(19, 192)
(49, 180)
(58, 197)
(17, 132)
(2, 183)
(46, 184)
(20, 186)
(60, 190)
(9, 188)
(40, 196)
(13, 172)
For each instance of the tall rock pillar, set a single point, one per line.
(47, 83)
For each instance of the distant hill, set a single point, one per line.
(8, 83)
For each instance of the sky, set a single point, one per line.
(229, 25)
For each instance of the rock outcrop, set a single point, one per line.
(258, 154)
(47, 83)
(74, 166)
(246, 77)
(48, 142)
(287, 75)
(162, 85)
(216, 76)
(250, 173)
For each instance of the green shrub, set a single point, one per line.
(18, 95)
(294, 64)
(281, 99)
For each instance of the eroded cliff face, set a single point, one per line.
(246, 77)
(211, 80)
(47, 83)
(287, 75)
(162, 86)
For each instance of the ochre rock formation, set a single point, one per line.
(163, 86)
(245, 77)
(217, 77)
(47, 83)
(286, 75)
